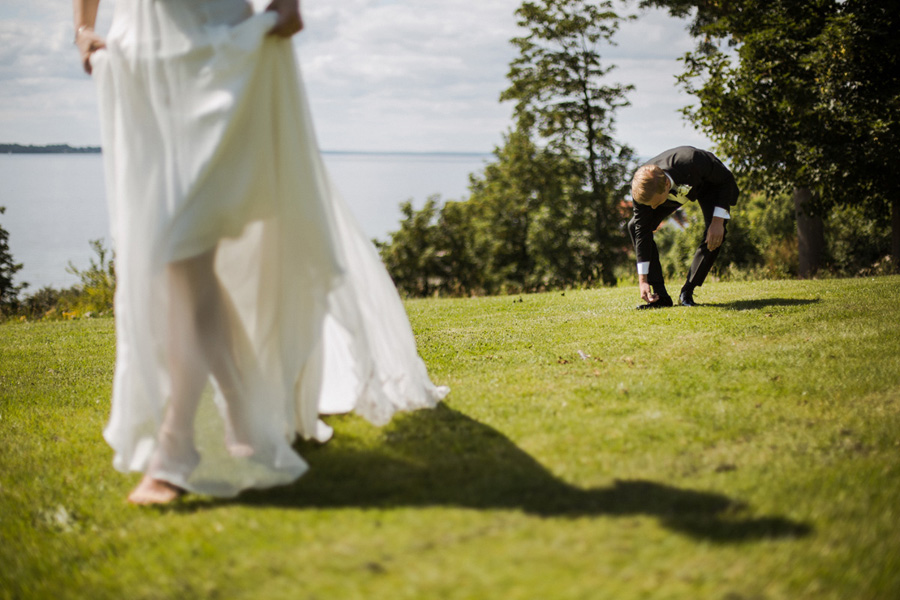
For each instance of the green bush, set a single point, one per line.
(97, 290)
(9, 291)
(762, 241)
(678, 240)
(93, 297)
(857, 242)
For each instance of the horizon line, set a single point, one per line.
(412, 152)
(61, 145)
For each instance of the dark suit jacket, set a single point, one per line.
(711, 183)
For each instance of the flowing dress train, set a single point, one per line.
(212, 166)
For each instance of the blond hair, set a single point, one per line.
(648, 181)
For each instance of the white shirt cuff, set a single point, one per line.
(643, 267)
(721, 212)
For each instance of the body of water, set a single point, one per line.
(56, 203)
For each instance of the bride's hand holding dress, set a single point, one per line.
(86, 39)
(290, 21)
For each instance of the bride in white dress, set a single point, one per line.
(239, 267)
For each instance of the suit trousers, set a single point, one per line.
(703, 257)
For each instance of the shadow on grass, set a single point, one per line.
(442, 457)
(761, 303)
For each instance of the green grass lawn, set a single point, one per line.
(744, 449)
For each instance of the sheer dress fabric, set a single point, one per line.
(209, 147)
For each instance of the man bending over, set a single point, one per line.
(658, 189)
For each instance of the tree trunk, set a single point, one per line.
(895, 234)
(810, 234)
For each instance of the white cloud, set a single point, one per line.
(408, 75)
(381, 75)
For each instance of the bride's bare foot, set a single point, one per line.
(239, 450)
(154, 491)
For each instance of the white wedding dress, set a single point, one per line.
(209, 150)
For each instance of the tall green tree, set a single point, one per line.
(802, 95)
(504, 197)
(558, 83)
(9, 291)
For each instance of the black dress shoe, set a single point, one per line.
(686, 298)
(661, 302)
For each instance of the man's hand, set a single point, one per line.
(716, 233)
(289, 19)
(87, 42)
(647, 294)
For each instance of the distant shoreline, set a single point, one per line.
(435, 153)
(67, 149)
(51, 149)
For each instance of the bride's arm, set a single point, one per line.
(289, 19)
(86, 40)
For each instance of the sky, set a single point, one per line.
(382, 75)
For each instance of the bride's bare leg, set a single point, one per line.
(225, 346)
(231, 365)
(189, 372)
(201, 341)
